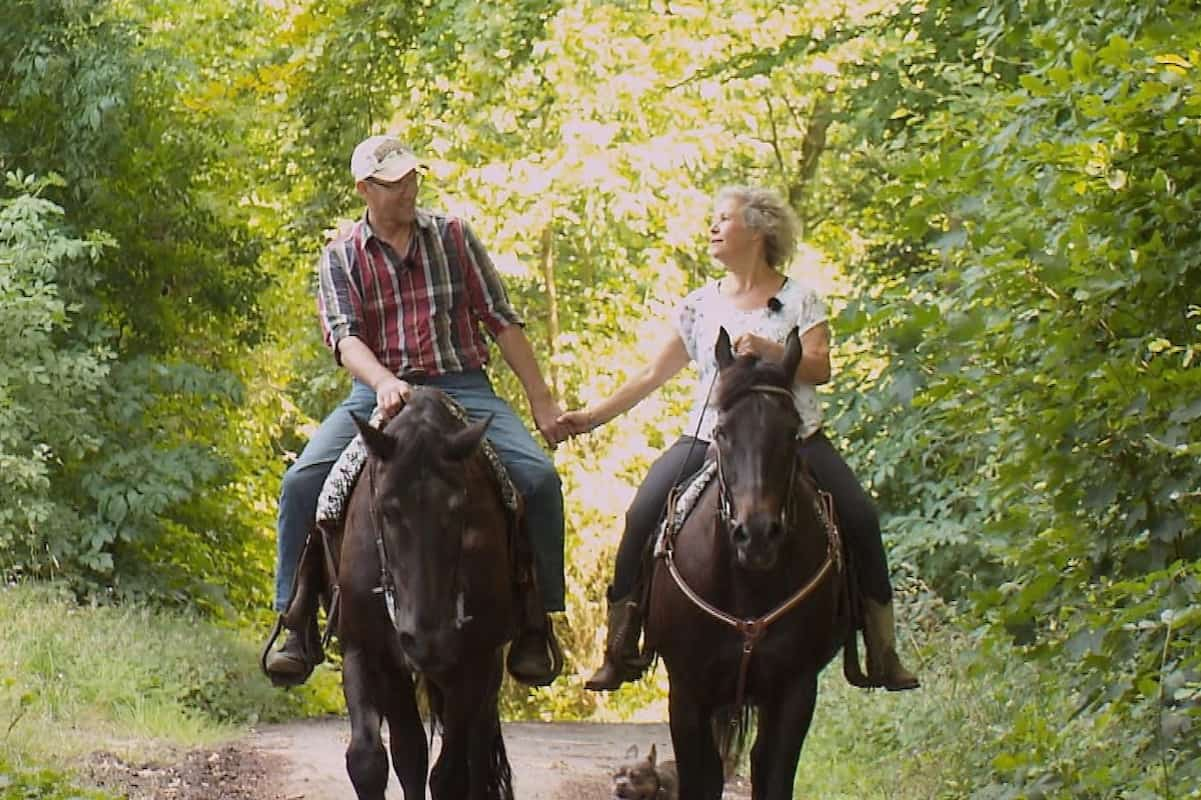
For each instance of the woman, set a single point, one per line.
(752, 235)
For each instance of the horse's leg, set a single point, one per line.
(697, 759)
(366, 760)
(784, 720)
(406, 736)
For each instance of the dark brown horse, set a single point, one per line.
(426, 593)
(747, 602)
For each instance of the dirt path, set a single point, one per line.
(551, 761)
(304, 761)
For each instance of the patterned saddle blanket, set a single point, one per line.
(335, 492)
(685, 500)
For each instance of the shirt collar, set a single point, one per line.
(424, 221)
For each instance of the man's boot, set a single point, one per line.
(623, 661)
(884, 667)
(534, 657)
(292, 664)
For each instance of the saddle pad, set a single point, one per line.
(335, 492)
(685, 501)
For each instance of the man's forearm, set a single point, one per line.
(361, 362)
(519, 355)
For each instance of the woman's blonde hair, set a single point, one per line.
(767, 213)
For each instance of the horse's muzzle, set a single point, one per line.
(431, 651)
(757, 542)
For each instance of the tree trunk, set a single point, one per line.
(552, 304)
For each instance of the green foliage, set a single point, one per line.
(123, 454)
(51, 373)
(18, 783)
(76, 679)
(1029, 264)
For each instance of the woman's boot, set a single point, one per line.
(623, 661)
(884, 667)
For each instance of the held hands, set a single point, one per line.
(577, 422)
(391, 395)
(547, 416)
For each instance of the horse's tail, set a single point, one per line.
(500, 781)
(732, 726)
(500, 784)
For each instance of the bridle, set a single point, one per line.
(387, 586)
(754, 629)
(725, 505)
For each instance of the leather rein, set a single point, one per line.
(753, 629)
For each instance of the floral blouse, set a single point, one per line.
(705, 311)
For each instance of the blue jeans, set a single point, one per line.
(532, 471)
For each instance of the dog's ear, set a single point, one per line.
(632, 752)
(651, 756)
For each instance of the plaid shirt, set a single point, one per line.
(422, 311)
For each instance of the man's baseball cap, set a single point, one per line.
(382, 157)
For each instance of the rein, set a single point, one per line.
(753, 629)
(385, 587)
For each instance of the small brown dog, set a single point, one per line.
(645, 779)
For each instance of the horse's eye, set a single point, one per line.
(456, 501)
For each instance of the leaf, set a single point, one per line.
(1171, 59)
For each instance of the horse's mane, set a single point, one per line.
(421, 425)
(747, 371)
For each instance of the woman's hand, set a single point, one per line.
(578, 421)
(748, 344)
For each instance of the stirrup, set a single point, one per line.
(279, 626)
(553, 650)
(310, 655)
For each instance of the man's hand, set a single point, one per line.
(391, 395)
(546, 417)
(748, 344)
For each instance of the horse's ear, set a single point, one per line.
(463, 443)
(632, 752)
(652, 756)
(379, 444)
(723, 351)
(792, 353)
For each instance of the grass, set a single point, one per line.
(919, 745)
(133, 681)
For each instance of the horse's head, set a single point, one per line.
(756, 440)
(418, 481)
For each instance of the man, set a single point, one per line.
(406, 292)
